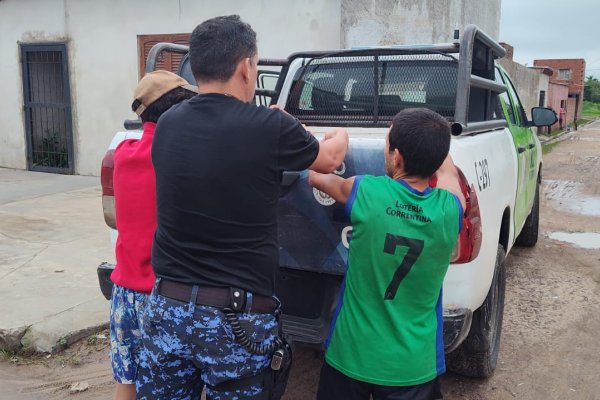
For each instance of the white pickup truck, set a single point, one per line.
(497, 152)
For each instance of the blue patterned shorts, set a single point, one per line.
(125, 342)
(188, 347)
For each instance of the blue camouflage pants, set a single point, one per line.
(189, 346)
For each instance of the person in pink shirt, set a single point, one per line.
(135, 206)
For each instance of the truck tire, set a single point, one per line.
(478, 354)
(529, 234)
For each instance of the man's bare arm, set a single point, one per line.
(334, 185)
(448, 178)
(332, 150)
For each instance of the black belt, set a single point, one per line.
(220, 297)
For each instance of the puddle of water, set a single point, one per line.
(585, 240)
(568, 194)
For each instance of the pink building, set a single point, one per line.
(569, 72)
(558, 96)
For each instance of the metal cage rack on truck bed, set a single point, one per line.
(366, 87)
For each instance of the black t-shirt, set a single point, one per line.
(218, 164)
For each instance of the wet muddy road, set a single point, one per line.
(549, 347)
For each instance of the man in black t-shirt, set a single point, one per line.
(218, 160)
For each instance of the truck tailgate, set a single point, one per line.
(309, 219)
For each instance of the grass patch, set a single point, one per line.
(547, 148)
(63, 343)
(590, 111)
(92, 340)
(555, 132)
(7, 355)
(11, 357)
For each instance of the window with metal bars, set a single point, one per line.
(370, 90)
(47, 105)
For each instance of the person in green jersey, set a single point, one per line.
(386, 337)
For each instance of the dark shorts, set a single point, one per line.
(334, 385)
(188, 347)
(125, 343)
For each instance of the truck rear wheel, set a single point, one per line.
(529, 234)
(478, 354)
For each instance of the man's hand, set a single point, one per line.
(330, 135)
(332, 150)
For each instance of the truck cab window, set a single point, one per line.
(361, 90)
(520, 111)
(505, 99)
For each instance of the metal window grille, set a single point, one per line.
(371, 90)
(47, 104)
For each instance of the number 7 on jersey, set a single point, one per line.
(415, 246)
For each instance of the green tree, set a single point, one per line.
(591, 90)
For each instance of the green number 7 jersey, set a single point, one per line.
(388, 325)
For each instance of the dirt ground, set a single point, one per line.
(549, 347)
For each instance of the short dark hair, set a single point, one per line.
(422, 137)
(217, 45)
(163, 103)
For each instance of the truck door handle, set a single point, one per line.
(520, 149)
(531, 145)
(289, 178)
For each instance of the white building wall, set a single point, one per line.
(388, 22)
(101, 41)
(16, 25)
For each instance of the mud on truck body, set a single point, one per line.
(494, 147)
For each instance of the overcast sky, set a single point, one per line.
(553, 29)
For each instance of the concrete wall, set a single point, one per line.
(556, 94)
(528, 83)
(386, 22)
(101, 39)
(14, 28)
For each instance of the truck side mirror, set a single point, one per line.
(542, 116)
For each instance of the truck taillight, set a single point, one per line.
(469, 239)
(108, 192)
(106, 173)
